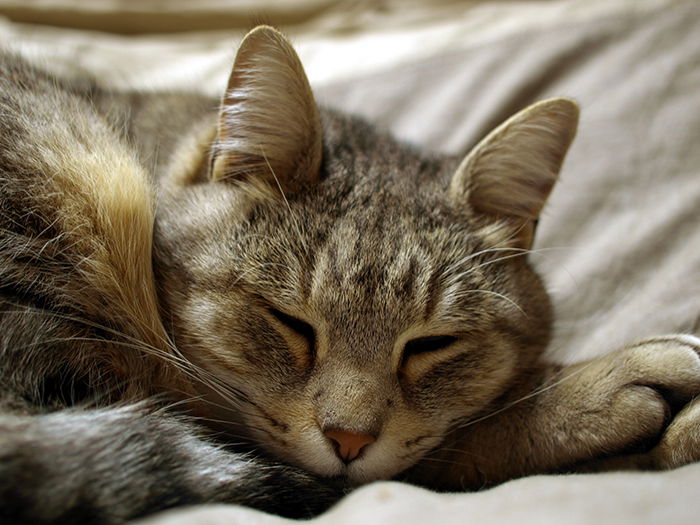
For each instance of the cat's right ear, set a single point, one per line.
(269, 127)
(508, 176)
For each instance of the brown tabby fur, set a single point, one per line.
(300, 259)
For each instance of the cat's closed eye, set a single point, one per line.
(427, 344)
(298, 326)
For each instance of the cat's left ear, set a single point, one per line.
(269, 126)
(511, 172)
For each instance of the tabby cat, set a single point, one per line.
(269, 304)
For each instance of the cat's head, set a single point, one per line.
(351, 299)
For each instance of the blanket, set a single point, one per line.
(619, 241)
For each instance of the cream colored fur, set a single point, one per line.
(105, 206)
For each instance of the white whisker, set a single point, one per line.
(532, 394)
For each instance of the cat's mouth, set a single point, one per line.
(356, 457)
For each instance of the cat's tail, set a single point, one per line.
(76, 228)
(110, 465)
(107, 213)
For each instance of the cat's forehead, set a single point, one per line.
(367, 249)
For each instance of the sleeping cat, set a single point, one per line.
(338, 307)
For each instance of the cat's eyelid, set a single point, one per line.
(299, 326)
(427, 344)
(278, 312)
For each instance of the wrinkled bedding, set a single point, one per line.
(619, 241)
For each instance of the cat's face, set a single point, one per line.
(352, 310)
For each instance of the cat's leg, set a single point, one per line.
(621, 410)
(107, 466)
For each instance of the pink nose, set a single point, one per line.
(348, 445)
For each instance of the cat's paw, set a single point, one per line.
(680, 444)
(664, 369)
(640, 398)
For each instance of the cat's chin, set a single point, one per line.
(359, 472)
